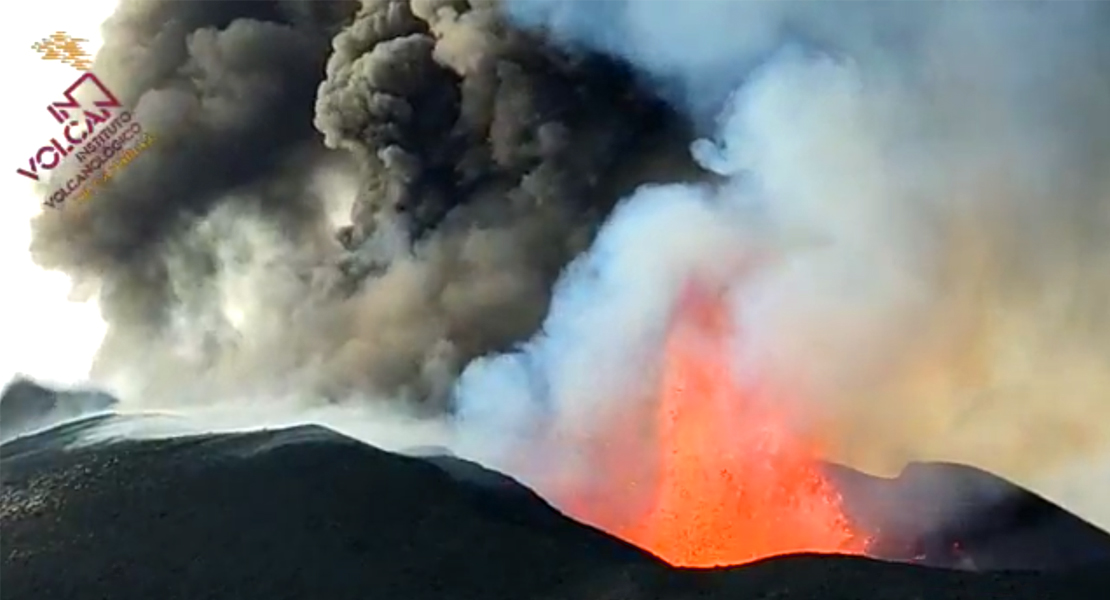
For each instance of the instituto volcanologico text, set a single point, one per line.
(97, 154)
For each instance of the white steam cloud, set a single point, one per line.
(913, 229)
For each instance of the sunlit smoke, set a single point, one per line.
(656, 435)
(918, 190)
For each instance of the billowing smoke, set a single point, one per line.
(344, 199)
(358, 198)
(912, 236)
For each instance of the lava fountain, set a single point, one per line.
(735, 484)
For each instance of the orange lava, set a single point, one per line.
(735, 485)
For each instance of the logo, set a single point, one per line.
(62, 47)
(95, 126)
(79, 124)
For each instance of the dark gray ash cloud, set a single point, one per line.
(345, 198)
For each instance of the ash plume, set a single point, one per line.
(345, 199)
(911, 235)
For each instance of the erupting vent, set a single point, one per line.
(735, 484)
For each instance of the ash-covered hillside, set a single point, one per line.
(308, 513)
(26, 405)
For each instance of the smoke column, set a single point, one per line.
(352, 200)
(911, 229)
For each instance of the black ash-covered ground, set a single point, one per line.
(307, 513)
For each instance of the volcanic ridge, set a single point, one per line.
(306, 512)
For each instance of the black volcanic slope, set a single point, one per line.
(26, 406)
(306, 513)
(957, 516)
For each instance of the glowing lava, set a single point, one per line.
(735, 485)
